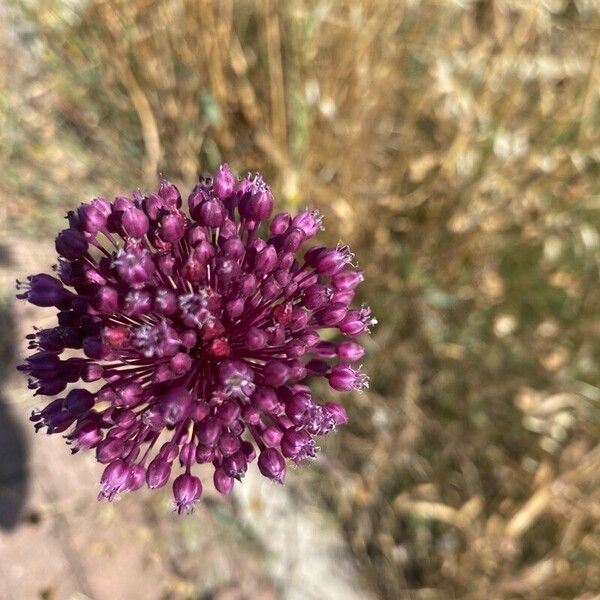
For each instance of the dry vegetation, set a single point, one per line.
(457, 145)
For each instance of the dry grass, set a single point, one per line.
(457, 144)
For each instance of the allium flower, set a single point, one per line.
(198, 331)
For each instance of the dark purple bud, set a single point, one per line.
(265, 399)
(168, 451)
(270, 289)
(309, 222)
(91, 218)
(345, 378)
(235, 465)
(159, 471)
(331, 260)
(282, 277)
(209, 431)
(331, 314)
(255, 338)
(224, 182)
(43, 290)
(350, 352)
(79, 401)
(122, 203)
(87, 436)
(248, 451)
(235, 308)
(124, 417)
(229, 444)
(316, 296)
(204, 454)
(91, 372)
(210, 213)
(186, 491)
(71, 244)
(200, 410)
(276, 334)
(228, 412)
(298, 320)
(130, 394)
(293, 238)
(136, 478)
(223, 482)
(357, 321)
(172, 227)
(233, 248)
(317, 367)
(347, 280)
(196, 234)
(94, 348)
(109, 449)
(247, 285)
(113, 480)
(175, 405)
(272, 465)
(343, 297)
(298, 406)
(272, 436)
(297, 445)
(310, 338)
(295, 349)
(337, 412)
(203, 252)
(275, 373)
(135, 222)
(280, 223)
(169, 193)
(326, 350)
(266, 260)
(153, 205)
(256, 202)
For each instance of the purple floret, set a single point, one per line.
(199, 332)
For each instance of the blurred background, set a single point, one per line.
(456, 146)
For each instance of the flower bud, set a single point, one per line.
(71, 244)
(309, 222)
(350, 351)
(158, 473)
(134, 222)
(280, 223)
(209, 431)
(186, 490)
(224, 182)
(223, 482)
(135, 478)
(331, 314)
(272, 465)
(275, 373)
(175, 405)
(345, 378)
(113, 480)
(172, 227)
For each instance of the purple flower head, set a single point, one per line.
(198, 330)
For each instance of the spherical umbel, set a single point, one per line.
(198, 333)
